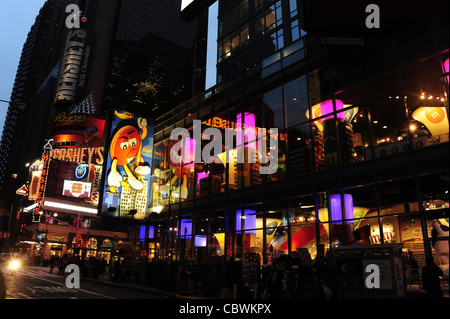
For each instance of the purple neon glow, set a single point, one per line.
(249, 129)
(186, 227)
(336, 208)
(249, 218)
(142, 233)
(326, 107)
(151, 232)
(200, 241)
(446, 68)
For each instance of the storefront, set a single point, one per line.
(40, 241)
(357, 144)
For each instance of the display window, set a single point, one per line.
(390, 128)
(305, 152)
(427, 112)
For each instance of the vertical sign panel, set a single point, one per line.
(128, 165)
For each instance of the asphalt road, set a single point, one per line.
(34, 283)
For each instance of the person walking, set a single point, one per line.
(52, 263)
(431, 279)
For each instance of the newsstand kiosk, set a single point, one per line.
(369, 271)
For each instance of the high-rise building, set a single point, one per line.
(117, 46)
(24, 129)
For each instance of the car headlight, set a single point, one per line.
(14, 264)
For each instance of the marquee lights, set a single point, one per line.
(71, 207)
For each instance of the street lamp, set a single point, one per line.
(18, 105)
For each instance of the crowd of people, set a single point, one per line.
(89, 267)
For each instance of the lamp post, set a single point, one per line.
(19, 105)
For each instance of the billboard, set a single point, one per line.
(77, 129)
(128, 166)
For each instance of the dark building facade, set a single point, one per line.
(362, 153)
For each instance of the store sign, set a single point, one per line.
(376, 239)
(81, 155)
(95, 176)
(79, 128)
(41, 185)
(76, 189)
(23, 191)
(128, 165)
(71, 66)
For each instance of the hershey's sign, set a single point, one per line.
(71, 66)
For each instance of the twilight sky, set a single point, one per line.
(16, 19)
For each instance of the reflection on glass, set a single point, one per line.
(296, 101)
(273, 108)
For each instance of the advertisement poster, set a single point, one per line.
(128, 166)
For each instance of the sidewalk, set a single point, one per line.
(104, 279)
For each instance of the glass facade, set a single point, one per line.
(361, 148)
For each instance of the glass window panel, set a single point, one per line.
(235, 41)
(301, 158)
(398, 197)
(245, 35)
(389, 126)
(292, 5)
(427, 113)
(270, 21)
(273, 108)
(296, 101)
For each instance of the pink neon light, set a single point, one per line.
(249, 129)
(446, 68)
(188, 150)
(326, 107)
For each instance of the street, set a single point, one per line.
(37, 283)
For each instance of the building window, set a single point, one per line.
(295, 30)
(293, 8)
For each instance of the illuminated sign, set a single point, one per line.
(77, 128)
(77, 189)
(129, 165)
(81, 155)
(81, 171)
(71, 65)
(41, 185)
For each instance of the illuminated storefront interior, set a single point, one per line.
(362, 157)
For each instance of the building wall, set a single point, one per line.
(376, 147)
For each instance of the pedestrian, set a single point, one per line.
(52, 263)
(61, 267)
(431, 278)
